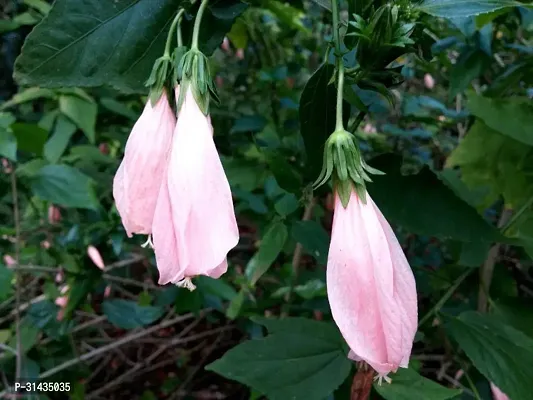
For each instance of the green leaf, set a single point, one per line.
(463, 8)
(29, 94)
(498, 351)
(6, 276)
(300, 360)
(81, 112)
(235, 306)
(511, 116)
(516, 312)
(495, 162)
(271, 245)
(216, 287)
(439, 212)
(249, 123)
(317, 117)
(130, 315)
(58, 142)
(469, 66)
(407, 384)
(287, 204)
(8, 144)
(30, 137)
(92, 43)
(313, 237)
(284, 172)
(65, 186)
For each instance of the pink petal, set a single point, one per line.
(139, 176)
(497, 394)
(371, 287)
(195, 225)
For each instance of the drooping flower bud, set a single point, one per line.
(139, 176)
(194, 224)
(371, 288)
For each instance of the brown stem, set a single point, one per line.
(362, 382)
(487, 269)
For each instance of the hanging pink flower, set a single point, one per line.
(497, 394)
(194, 223)
(139, 176)
(371, 288)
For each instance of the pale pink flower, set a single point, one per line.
(429, 81)
(194, 223)
(139, 176)
(239, 54)
(95, 257)
(497, 394)
(62, 301)
(225, 45)
(371, 288)
(9, 260)
(107, 291)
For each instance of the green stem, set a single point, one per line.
(197, 23)
(171, 32)
(517, 215)
(339, 125)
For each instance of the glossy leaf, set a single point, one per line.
(463, 8)
(81, 112)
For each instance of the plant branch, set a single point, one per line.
(197, 23)
(339, 125)
(18, 277)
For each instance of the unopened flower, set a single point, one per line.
(371, 288)
(429, 81)
(497, 394)
(95, 257)
(194, 223)
(139, 176)
(54, 214)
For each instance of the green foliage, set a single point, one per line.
(407, 385)
(495, 349)
(300, 359)
(463, 8)
(130, 315)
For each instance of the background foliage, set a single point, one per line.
(451, 124)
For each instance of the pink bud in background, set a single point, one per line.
(62, 301)
(371, 288)
(239, 54)
(9, 260)
(429, 82)
(60, 276)
(194, 224)
(7, 166)
(104, 148)
(140, 174)
(107, 291)
(497, 394)
(95, 257)
(54, 214)
(225, 45)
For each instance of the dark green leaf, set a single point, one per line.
(300, 360)
(313, 238)
(463, 8)
(129, 315)
(65, 186)
(58, 142)
(94, 43)
(511, 116)
(81, 112)
(498, 351)
(423, 204)
(249, 123)
(8, 144)
(271, 245)
(6, 276)
(516, 312)
(469, 66)
(284, 172)
(216, 287)
(30, 137)
(407, 384)
(287, 204)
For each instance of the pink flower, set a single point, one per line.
(194, 222)
(239, 54)
(9, 260)
(371, 288)
(497, 394)
(429, 81)
(139, 176)
(95, 257)
(62, 301)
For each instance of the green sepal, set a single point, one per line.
(177, 56)
(193, 73)
(158, 78)
(344, 190)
